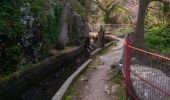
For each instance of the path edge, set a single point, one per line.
(62, 91)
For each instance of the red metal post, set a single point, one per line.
(127, 68)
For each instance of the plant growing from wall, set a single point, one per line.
(11, 26)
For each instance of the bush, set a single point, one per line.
(52, 29)
(158, 39)
(11, 26)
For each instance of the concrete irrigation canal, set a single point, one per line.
(44, 79)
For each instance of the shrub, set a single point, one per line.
(52, 29)
(158, 39)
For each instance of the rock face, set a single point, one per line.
(63, 37)
(79, 25)
(154, 76)
(73, 26)
(53, 6)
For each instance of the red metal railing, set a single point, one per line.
(147, 75)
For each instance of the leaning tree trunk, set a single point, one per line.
(139, 31)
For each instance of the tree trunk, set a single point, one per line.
(139, 31)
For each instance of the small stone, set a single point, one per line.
(100, 63)
(114, 88)
(86, 87)
(107, 90)
(94, 68)
(84, 79)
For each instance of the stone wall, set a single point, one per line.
(19, 82)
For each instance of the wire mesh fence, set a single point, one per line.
(146, 74)
(116, 29)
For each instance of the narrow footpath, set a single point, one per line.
(97, 85)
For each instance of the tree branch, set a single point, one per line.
(163, 1)
(110, 3)
(99, 4)
(106, 6)
(153, 8)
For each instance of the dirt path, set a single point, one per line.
(97, 86)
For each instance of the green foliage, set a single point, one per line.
(121, 92)
(67, 98)
(117, 78)
(106, 17)
(10, 60)
(77, 7)
(117, 9)
(10, 24)
(158, 39)
(36, 5)
(161, 12)
(10, 17)
(58, 13)
(52, 29)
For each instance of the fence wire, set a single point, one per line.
(116, 29)
(146, 74)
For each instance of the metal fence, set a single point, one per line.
(112, 28)
(147, 75)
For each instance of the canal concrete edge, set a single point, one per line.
(59, 95)
(61, 92)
